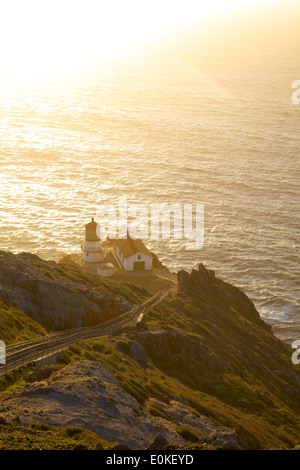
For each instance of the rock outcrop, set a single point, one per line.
(165, 343)
(88, 395)
(45, 292)
(202, 281)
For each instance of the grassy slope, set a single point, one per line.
(257, 395)
(46, 437)
(253, 401)
(16, 326)
(259, 422)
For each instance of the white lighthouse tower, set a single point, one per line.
(92, 253)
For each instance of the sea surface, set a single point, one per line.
(205, 116)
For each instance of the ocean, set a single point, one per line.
(204, 116)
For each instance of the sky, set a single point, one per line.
(39, 37)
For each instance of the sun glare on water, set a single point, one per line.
(41, 38)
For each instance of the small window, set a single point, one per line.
(139, 256)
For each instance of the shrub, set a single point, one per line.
(73, 431)
(3, 421)
(75, 350)
(89, 356)
(158, 412)
(99, 347)
(64, 357)
(40, 426)
(188, 434)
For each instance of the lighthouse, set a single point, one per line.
(92, 253)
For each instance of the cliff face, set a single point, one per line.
(58, 296)
(204, 281)
(227, 335)
(204, 371)
(88, 395)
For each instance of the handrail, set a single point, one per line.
(23, 353)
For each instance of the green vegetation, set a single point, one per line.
(189, 435)
(198, 350)
(42, 436)
(259, 421)
(159, 412)
(16, 326)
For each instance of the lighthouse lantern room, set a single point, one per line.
(92, 252)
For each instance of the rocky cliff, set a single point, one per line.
(204, 281)
(203, 372)
(60, 296)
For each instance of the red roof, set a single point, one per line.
(107, 243)
(129, 246)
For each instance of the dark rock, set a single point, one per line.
(159, 443)
(138, 354)
(218, 364)
(168, 342)
(226, 440)
(202, 352)
(160, 342)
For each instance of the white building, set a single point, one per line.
(105, 269)
(133, 254)
(92, 254)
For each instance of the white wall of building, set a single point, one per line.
(108, 272)
(92, 252)
(128, 263)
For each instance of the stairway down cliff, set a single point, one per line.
(61, 296)
(204, 370)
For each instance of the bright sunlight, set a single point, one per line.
(54, 36)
